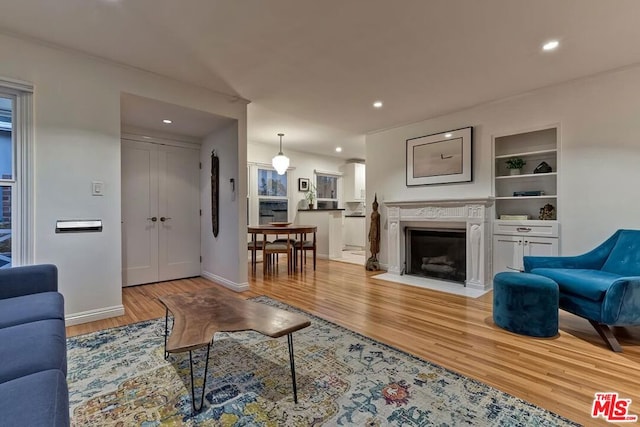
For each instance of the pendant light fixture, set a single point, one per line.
(280, 162)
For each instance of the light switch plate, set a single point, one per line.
(97, 188)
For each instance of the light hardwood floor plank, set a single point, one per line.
(560, 374)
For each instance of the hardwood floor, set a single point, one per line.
(560, 374)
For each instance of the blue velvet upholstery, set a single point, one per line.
(590, 284)
(37, 400)
(602, 285)
(29, 279)
(40, 345)
(31, 308)
(526, 304)
(33, 352)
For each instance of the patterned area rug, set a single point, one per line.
(119, 377)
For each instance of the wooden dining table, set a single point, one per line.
(295, 230)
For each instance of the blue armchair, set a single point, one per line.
(602, 286)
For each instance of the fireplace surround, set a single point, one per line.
(471, 215)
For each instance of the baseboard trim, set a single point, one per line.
(238, 287)
(93, 315)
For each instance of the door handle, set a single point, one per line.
(153, 218)
(523, 229)
(163, 219)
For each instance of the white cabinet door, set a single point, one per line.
(160, 213)
(353, 182)
(354, 231)
(508, 251)
(540, 246)
(359, 190)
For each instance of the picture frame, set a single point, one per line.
(440, 158)
(303, 184)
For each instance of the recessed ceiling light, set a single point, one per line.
(377, 104)
(550, 45)
(167, 121)
(338, 149)
(448, 135)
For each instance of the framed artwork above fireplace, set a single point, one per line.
(440, 158)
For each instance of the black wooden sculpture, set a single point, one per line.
(215, 180)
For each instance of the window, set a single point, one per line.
(16, 173)
(327, 191)
(7, 181)
(273, 201)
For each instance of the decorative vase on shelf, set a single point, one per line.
(514, 171)
(310, 205)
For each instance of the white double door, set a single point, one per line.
(160, 212)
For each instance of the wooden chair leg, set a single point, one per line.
(606, 334)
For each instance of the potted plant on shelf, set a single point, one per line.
(514, 165)
(310, 195)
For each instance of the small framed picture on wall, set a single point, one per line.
(303, 184)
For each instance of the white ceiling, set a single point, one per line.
(313, 68)
(137, 113)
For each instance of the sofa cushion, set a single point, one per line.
(32, 347)
(590, 284)
(31, 308)
(624, 258)
(36, 400)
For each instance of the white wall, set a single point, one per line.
(223, 254)
(599, 158)
(77, 140)
(303, 163)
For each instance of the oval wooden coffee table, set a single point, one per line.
(199, 315)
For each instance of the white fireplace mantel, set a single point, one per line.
(472, 214)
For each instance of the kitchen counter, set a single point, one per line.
(329, 234)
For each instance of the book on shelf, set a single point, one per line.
(515, 217)
(528, 193)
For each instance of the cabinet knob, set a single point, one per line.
(153, 218)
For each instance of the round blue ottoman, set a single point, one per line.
(526, 304)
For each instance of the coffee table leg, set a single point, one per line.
(293, 368)
(204, 381)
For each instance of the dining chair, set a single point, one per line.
(271, 250)
(258, 244)
(307, 245)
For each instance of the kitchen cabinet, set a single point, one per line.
(354, 232)
(353, 179)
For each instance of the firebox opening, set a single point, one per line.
(438, 253)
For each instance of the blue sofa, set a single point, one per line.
(33, 349)
(602, 286)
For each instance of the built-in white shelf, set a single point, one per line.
(527, 197)
(515, 239)
(526, 153)
(527, 175)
